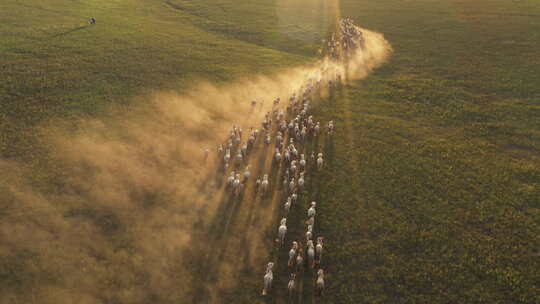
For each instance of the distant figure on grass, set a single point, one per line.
(92, 20)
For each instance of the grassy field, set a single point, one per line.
(432, 190)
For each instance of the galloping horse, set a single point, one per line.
(292, 253)
(287, 206)
(319, 250)
(320, 282)
(320, 161)
(291, 286)
(282, 230)
(311, 254)
(264, 184)
(268, 278)
(311, 211)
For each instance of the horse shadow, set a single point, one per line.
(70, 31)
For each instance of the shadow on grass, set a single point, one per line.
(70, 31)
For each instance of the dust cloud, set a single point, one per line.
(130, 192)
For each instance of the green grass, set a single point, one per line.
(442, 206)
(433, 185)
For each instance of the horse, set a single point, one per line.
(236, 184)
(244, 150)
(287, 156)
(309, 233)
(319, 250)
(239, 158)
(291, 286)
(279, 139)
(257, 185)
(293, 167)
(220, 149)
(230, 179)
(282, 230)
(227, 157)
(268, 278)
(320, 282)
(292, 253)
(277, 156)
(301, 181)
(311, 221)
(251, 141)
(302, 161)
(319, 161)
(311, 253)
(303, 133)
(311, 211)
(330, 127)
(292, 184)
(287, 206)
(299, 263)
(264, 184)
(247, 174)
(295, 153)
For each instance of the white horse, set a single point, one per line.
(247, 174)
(251, 141)
(220, 149)
(268, 278)
(257, 185)
(282, 230)
(239, 158)
(279, 138)
(264, 184)
(299, 263)
(292, 185)
(291, 286)
(311, 211)
(319, 250)
(302, 161)
(320, 161)
(311, 221)
(236, 184)
(301, 181)
(292, 253)
(295, 153)
(287, 206)
(330, 127)
(230, 179)
(320, 282)
(293, 167)
(303, 133)
(311, 253)
(309, 233)
(317, 129)
(277, 156)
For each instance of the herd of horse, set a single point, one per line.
(287, 131)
